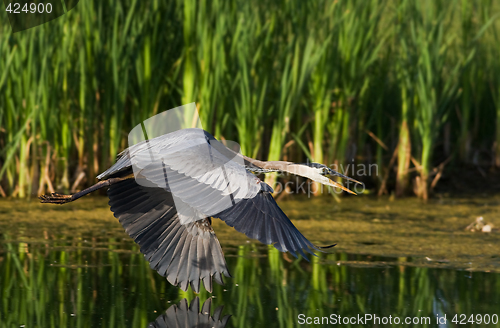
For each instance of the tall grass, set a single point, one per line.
(412, 87)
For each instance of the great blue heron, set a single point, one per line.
(191, 169)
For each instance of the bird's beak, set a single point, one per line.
(311, 173)
(338, 185)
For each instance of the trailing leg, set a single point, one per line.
(56, 198)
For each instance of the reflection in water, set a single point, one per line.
(105, 282)
(183, 316)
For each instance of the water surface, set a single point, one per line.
(73, 266)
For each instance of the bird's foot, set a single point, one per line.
(55, 198)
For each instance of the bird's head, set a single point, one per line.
(326, 171)
(322, 173)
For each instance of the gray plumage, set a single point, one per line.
(164, 191)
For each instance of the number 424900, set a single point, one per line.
(15, 8)
(462, 319)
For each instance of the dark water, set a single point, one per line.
(80, 280)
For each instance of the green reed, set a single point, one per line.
(339, 82)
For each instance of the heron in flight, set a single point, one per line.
(165, 191)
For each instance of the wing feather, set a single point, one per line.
(262, 219)
(185, 254)
(186, 163)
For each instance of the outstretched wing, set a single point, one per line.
(262, 219)
(172, 140)
(184, 254)
(197, 169)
